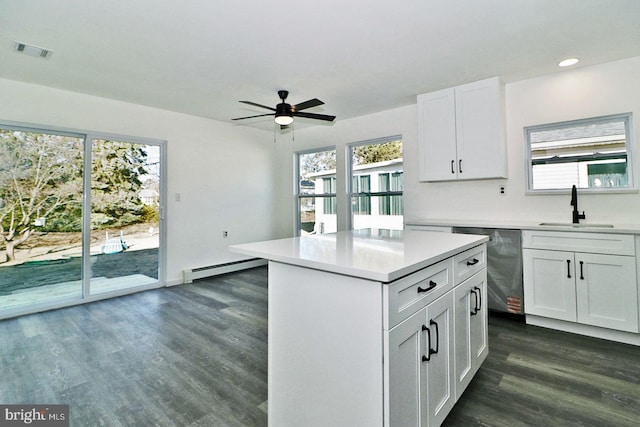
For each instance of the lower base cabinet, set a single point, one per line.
(434, 354)
(594, 283)
(471, 330)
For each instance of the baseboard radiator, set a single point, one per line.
(191, 274)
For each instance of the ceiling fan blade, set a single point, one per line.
(307, 104)
(315, 116)
(258, 105)
(251, 117)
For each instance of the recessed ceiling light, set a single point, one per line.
(27, 49)
(568, 62)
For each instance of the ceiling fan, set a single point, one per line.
(284, 113)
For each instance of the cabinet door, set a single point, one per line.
(607, 291)
(480, 130)
(437, 136)
(406, 345)
(440, 366)
(549, 284)
(470, 324)
(479, 320)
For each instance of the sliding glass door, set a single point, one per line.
(40, 217)
(125, 203)
(80, 217)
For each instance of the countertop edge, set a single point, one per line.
(385, 278)
(526, 225)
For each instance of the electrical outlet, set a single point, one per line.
(225, 233)
(503, 190)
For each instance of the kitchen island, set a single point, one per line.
(372, 327)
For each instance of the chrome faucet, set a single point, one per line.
(577, 216)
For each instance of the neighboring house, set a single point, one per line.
(589, 156)
(149, 196)
(376, 197)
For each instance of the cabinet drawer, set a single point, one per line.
(405, 296)
(603, 243)
(469, 262)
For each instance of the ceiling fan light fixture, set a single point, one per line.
(283, 119)
(284, 114)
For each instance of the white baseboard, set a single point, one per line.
(191, 274)
(577, 328)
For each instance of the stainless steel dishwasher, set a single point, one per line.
(504, 268)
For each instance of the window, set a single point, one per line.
(592, 154)
(361, 186)
(316, 191)
(376, 171)
(390, 205)
(329, 187)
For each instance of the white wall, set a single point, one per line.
(236, 178)
(224, 173)
(570, 94)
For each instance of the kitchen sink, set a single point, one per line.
(569, 224)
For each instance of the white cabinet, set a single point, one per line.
(348, 351)
(461, 132)
(438, 361)
(471, 347)
(405, 345)
(549, 284)
(421, 381)
(606, 291)
(593, 284)
(436, 340)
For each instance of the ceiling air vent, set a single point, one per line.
(31, 50)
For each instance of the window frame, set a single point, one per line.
(350, 179)
(298, 195)
(626, 118)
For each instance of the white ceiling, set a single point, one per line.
(201, 57)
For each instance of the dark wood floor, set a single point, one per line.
(540, 377)
(195, 355)
(192, 355)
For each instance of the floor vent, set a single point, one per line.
(189, 275)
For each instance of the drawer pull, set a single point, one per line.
(474, 309)
(474, 262)
(479, 306)
(568, 269)
(432, 285)
(432, 351)
(581, 270)
(428, 356)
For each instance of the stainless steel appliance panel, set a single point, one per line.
(504, 268)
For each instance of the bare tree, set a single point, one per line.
(39, 175)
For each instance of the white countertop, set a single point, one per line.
(585, 226)
(381, 255)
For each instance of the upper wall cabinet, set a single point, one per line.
(461, 132)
